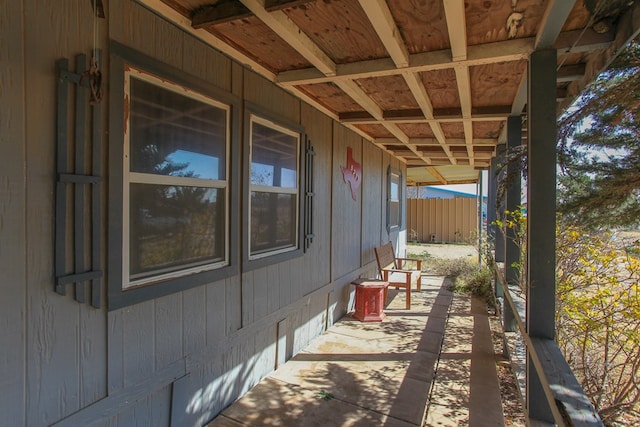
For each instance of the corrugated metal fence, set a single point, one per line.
(442, 220)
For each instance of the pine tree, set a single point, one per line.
(599, 149)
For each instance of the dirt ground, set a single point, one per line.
(441, 250)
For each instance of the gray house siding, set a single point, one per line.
(181, 358)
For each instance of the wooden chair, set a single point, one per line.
(394, 270)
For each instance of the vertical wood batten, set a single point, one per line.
(541, 199)
(13, 261)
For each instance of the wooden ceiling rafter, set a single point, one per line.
(502, 51)
(457, 27)
(283, 26)
(553, 19)
(185, 23)
(427, 51)
(433, 171)
(384, 25)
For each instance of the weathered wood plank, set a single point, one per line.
(194, 325)
(218, 13)
(233, 302)
(200, 60)
(12, 212)
(285, 272)
(317, 265)
(216, 312)
(160, 407)
(273, 288)
(115, 351)
(138, 325)
(168, 330)
(345, 246)
(564, 386)
(372, 200)
(260, 294)
(265, 351)
(53, 345)
(169, 42)
(260, 92)
(107, 409)
(93, 355)
(247, 298)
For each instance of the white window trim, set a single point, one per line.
(143, 178)
(273, 189)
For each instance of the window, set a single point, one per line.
(274, 188)
(171, 164)
(394, 180)
(175, 183)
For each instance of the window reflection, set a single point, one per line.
(172, 226)
(175, 135)
(273, 221)
(274, 157)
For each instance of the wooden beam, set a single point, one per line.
(352, 89)
(385, 26)
(482, 142)
(356, 117)
(419, 92)
(282, 25)
(222, 11)
(457, 25)
(504, 51)
(585, 40)
(554, 18)
(568, 73)
(271, 5)
(463, 81)
(433, 171)
(485, 113)
(171, 15)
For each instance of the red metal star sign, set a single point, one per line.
(352, 173)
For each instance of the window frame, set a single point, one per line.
(123, 291)
(391, 172)
(252, 261)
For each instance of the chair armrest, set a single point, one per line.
(418, 261)
(396, 270)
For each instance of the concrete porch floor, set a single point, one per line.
(404, 371)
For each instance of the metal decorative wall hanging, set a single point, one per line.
(308, 196)
(79, 184)
(352, 174)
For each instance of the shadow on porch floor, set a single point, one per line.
(403, 371)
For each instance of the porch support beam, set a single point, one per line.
(493, 232)
(500, 157)
(512, 203)
(541, 216)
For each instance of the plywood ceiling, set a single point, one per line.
(430, 81)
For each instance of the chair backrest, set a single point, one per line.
(385, 256)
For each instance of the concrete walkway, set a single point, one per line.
(382, 374)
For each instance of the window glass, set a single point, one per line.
(175, 164)
(274, 191)
(393, 207)
(174, 226)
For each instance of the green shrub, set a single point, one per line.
(468, 277)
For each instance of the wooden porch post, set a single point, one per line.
(493, 232)
(541, 215)
(500, 244)
(512, 203)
